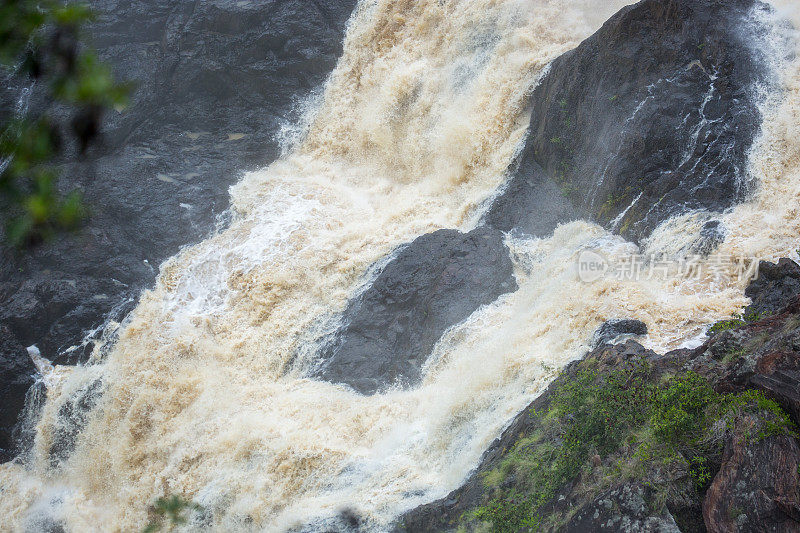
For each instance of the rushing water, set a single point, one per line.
(413, 133)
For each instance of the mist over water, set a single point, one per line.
(203, 393)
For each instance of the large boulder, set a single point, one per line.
(434, 283)
(757, 487)
(616, 329)
(775, 285)
(650, 117)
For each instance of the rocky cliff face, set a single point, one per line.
(735, 469)
(650, 117)
(215, 82)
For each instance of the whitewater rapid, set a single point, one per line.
(203, 393)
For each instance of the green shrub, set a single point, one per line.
(169, 512)
(679, 409)
(736, 322)
(601, 413)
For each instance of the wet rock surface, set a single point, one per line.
(437, 281)
(616, 328)
(650, 117)
(17, 378)
(776, 284)
(754, 486)
(215, 82)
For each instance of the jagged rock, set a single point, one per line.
(434, 283)
(764, 355)
(161, 175)
(624, 508)
(448, 513)
(756, 490)
(613, 329)
(16, 378)
(776, 284)
(651, 116)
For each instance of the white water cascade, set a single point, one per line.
(415, 131)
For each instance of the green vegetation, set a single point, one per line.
(568, 190)
(169, 512)
(736, 322)
(40, 40)
(634, 421)
(614, 200)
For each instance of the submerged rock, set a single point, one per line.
(650, 117)
(434, 283)
(72, 418)
(611, 330)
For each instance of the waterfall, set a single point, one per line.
(203, 392)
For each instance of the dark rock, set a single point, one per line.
(16, 378)
(434, 283)
(650, 117)
(161, 176)
(531, 203)
(624, 508)
(203, 70)
(62, 302)
(613, 329)
(776, 284)
(711, 236)
(764, 355)
(72, 419)
(448, 513)
(757, 488)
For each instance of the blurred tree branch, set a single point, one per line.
(40, 42)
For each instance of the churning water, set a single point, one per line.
(202, 393)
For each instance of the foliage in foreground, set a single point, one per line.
(735, 322)
(678, 422)
(169, 512)
(40, 44)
